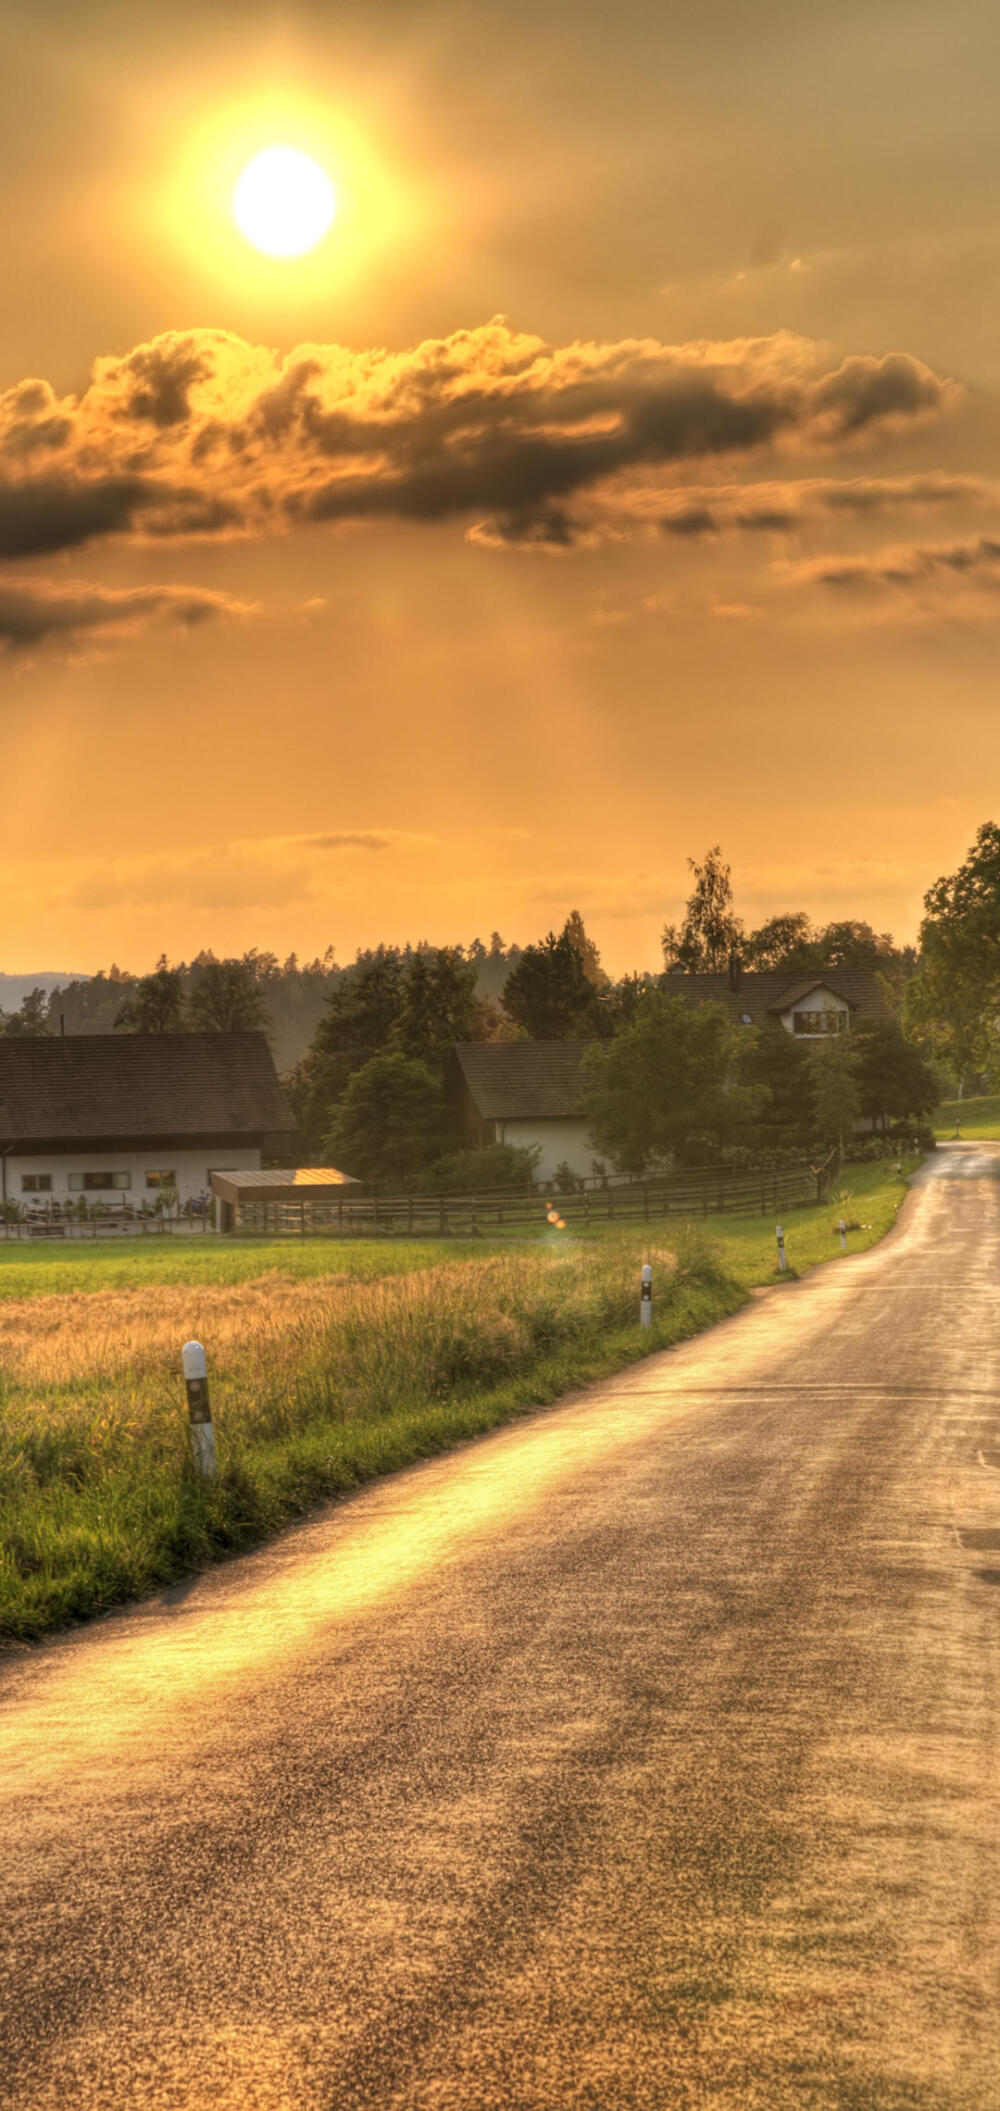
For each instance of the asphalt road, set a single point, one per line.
(643, 1755)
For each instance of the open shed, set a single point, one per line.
(289, 1198)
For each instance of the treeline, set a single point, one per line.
(207, 994)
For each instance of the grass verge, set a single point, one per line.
(322, 1388)
(978, 1119)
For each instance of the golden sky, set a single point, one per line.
(619, 475)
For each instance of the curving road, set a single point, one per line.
(642, 1755)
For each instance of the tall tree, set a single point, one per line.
(360, 1017)
(895, 1081)
(590, 960)
(550, 995)
(711, 931)
(390, 1123)
(440, 1004)
(953, 1002)
(834, 1067)
(155, 1004)
(668, 1086)
(226, 998)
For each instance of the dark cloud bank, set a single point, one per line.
(199, 433)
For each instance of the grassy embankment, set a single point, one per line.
(979, 1118)
(337, 1364)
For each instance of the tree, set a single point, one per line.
(359, 1020)
(440, 1004)
(226, 999)
(550, 995)
(786, 941)
(833, 1069)
(776, 1062)
(155, 1004)
(953, 1002)
(668, 1086)
(31, 1019)
(586, 950)
(390, 1123)
(895, 1080)
(711, 930)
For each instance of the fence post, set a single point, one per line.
(646, 1296)
(842, 1228)
(782, 1263)
(199, 1412)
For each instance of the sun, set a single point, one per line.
(284, 202)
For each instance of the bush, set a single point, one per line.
(474, 1172)
(912, 1136)
(565, 1181)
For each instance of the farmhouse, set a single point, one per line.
(525, 1092)
(812, 1004)
(528, 1092)
(115, 1117)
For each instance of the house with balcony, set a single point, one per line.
(812, 1004)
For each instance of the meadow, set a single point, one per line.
(979, 1118)
(328, 1363)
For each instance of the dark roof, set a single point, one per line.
(765, 993)
(139, 1085)
(509, 1080)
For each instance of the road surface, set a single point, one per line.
(642, 1755)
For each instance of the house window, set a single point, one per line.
(161, 1179)
(36, 1183)
(820, 1022)
(93, 1183)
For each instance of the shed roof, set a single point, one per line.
(139, 1085)
(511, 1080)
(302, 1183)
(764, 993)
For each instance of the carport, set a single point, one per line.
(294, 1198)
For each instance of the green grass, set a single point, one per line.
(352, 1379)
(979, 1118)
(36, 1269)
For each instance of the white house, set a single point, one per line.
(116, 1117)
(528, 1092)
(525, 1092)
(812, 1004)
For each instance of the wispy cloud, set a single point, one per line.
(931, 574)
(34, 612)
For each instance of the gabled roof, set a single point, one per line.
(139, 1085)
(526, 1079)
(765, 993)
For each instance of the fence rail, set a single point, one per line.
(692, 1192)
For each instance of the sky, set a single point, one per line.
(618, 476)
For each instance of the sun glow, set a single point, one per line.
(284, 202)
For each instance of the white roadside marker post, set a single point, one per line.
(782, 1263)
(842, 1228)
(199, 1412)
(646, 1296)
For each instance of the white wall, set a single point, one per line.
(191, 1169)
(817, 1000)
(564, 1139)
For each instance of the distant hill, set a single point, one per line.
(15, 988)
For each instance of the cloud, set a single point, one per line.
(649, 504)
(201, 433)
(346, 842)
(34, 612)
(908, 569)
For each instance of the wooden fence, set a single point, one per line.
(691, 1192)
